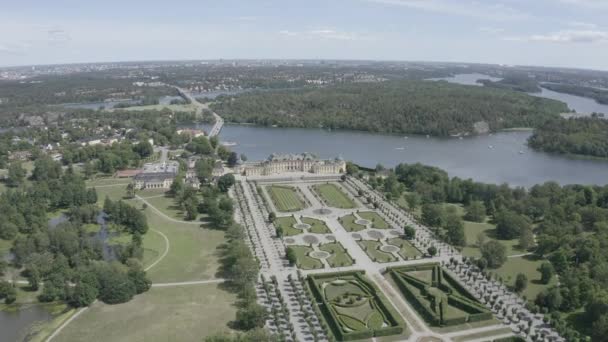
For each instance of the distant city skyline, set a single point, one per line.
(554, 33)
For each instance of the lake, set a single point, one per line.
(14, 326)
(497, 158)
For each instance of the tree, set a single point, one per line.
(88, 169)
(351, 168)
(130, 191)
(409, 232)
(272, 216)
(191, 208)
(509, 224)
(521, 282)
(177, 187)
(16, 175)
(455, 230)
(546, 272)
(204, 169)
(432, 215)
(233, 158)
(33, 278)
(475, 211)
(115, 285)
(291, 256)
(251, 316)
(144, 149)
(600, 328)
(432, 251)
(225, 182)
(495, 253)
(413, 200)
(526, 238)
(7, 292)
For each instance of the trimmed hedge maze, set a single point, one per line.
(437, 297)
(353, 307)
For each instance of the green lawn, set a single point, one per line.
(348, 222)
(527, 265)
(285, 198)
(377, 221)
(193, 254)
(473, 229)
(303, 260)
(333, 196)
(371, 248)
(339, 257)
(184, 313)
(316, 226)
(407, 250)
(286, 225)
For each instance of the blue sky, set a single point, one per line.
(572, 33)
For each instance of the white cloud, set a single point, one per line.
(477, 9)
(566, 36)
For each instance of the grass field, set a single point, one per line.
(371, 248)
(193, 254)
(527, 265)
(333, 196)
(339, 257)
(407, 250)
(377, 221)
(303, 260)
(184, 313)
(348, 222)
(285, 198)
(316, 226)
(286, 225)
(473, 229)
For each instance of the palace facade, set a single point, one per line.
(284, 163)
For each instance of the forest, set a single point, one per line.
(599, 95)
(570, 224)
(516, 82)
(577, 136)
(418, 107)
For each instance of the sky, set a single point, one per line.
(566, 33)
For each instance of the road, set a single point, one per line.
(219, 122)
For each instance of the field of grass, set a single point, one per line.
(333, 196)
(316, 226)
(286, 225)
(183, 313)
(193, 254)
(371, 248)
(407, 250)
(339, 257)
(348, 222)
(473, 229)
(303, 260)
(377, 221)
(527, 265)
(285, 198)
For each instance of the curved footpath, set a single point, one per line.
(168, 246)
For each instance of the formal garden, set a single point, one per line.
(338, 256)
(296, 225)
(332, 196)
(437, 297)
(349, 222)
(285, 198)
(353, 307)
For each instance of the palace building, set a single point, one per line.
(283, 163)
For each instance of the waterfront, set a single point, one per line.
(497, 158)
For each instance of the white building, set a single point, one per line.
(282, 163)
(153, 180)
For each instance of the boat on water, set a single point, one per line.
(490, 146)
(228, 143)
(400, 148)
(521, 152)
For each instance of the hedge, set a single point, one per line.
(422, 309)
(461, 289)
(454, 321)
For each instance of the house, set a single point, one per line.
(153, 180)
